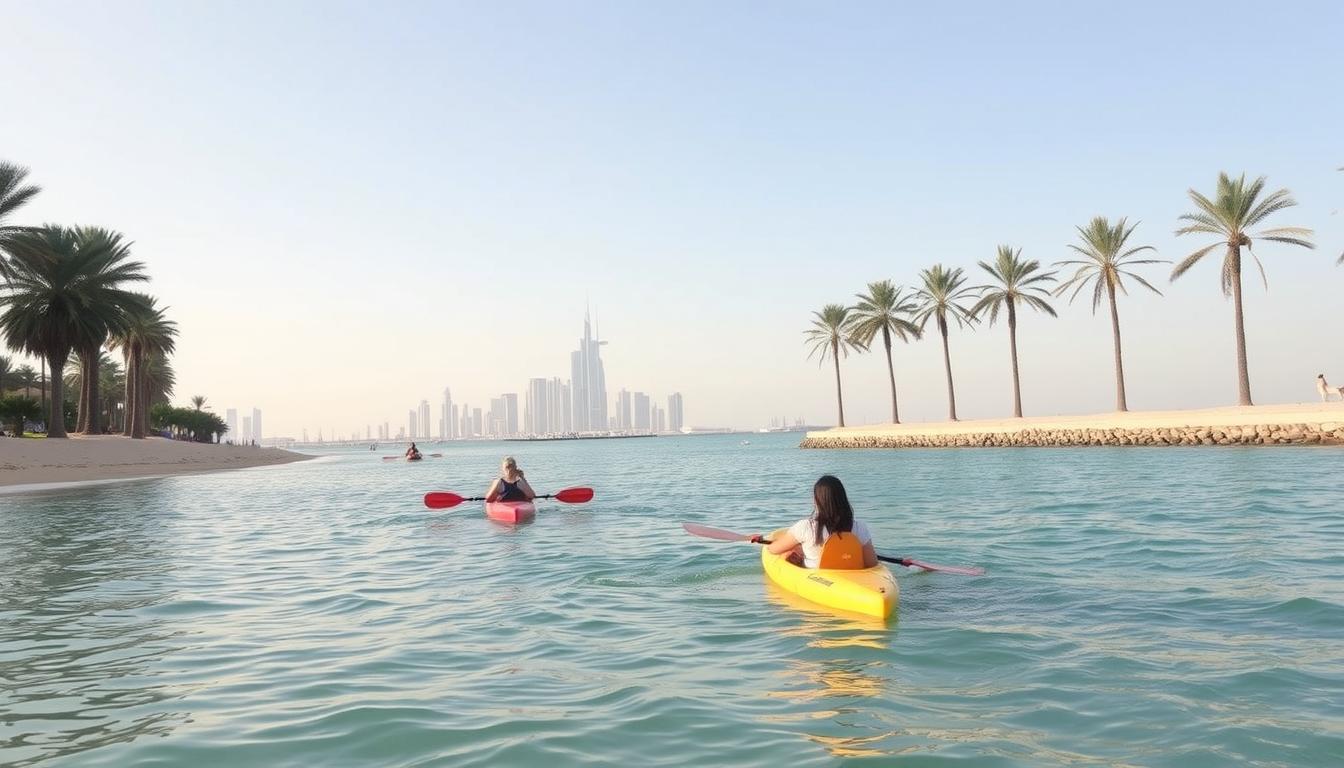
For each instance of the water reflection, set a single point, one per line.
(78, 638)
(837, 681)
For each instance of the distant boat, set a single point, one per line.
(746, 442)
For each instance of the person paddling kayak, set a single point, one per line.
(413, 453)
(832, 514)
(511, 485)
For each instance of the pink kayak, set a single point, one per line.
(511, 512)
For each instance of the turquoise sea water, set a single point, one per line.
(1180, 607)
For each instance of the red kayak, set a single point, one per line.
(511, 512)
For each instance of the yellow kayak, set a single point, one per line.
(870, 591)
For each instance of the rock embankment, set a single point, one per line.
(1327, 433)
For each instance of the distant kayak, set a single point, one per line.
(870, 591)
(511, 512)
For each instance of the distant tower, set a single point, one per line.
(256, 425)
(675, 419)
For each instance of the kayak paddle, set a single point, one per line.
(705, 531)
(427, 455)
(445, 500)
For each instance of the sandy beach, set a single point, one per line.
(1324, 418)
(106, 457)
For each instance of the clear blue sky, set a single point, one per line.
(350, 206)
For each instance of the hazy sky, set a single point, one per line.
(349, 206)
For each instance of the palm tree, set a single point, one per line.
(1015, 282)
(13, 195)
(6, 368)
(102, 325)
(1105, 264)
(940, 298)
(147, 336)
(1236, 208)
(64, 288)
(830, 336)
(27, 378)
(198, 401)
(884, 310)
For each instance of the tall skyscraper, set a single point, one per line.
(510, 414)
(588, 383)
(425, 434)
(624, 417)
(675, 419)
(446, 417)
(535, 419)
(642, 422)
(410, 425)
(659, 419)
(256, 425)
(457, 425)
(495, 421)
(476, 419)
(231, 421)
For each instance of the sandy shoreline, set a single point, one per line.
(1228, 424)
(105, 457)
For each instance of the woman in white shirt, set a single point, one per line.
(831, 513)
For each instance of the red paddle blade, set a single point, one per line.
(442, 500)
(957, 569)
(575, 495)
(714, 533)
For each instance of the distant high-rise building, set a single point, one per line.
(588, 383)
(510, 414)
(676, 420)
(425, 434)
(642, 422)
(256, 425)
(624, 417)
(231, 421)
(535, 420)
(659, 419)
(559, 408)
(448, 429)
(495, 420)
(410, 425)
(466, 421)
(457, 425)
(476, 419)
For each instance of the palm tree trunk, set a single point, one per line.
(1120, 404)
(839, 398)
(82, 408)
(137, 423)
(1243, 374)
(1012, 347)
(44, 385)
(56, 418)
(891, 374)
(93, 424)
(947, 366)
(128, 414)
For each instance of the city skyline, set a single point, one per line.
(550, 406)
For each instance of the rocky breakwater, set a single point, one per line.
(1150, 429)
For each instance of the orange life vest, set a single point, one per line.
(842, 551)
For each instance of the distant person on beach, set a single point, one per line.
(831, 515)
(511, 485)
(412, 452)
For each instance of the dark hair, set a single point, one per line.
(833, 510)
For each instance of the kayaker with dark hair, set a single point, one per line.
(413, 453)
(511, 485)
(832, 514)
